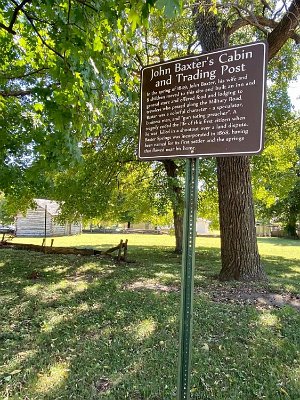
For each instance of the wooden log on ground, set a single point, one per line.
(120, 246)
(120, 250)
(125, 249)
(69, 250)
(51, 250)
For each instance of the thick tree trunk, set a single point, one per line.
(178, 225)
(239, 252)
(291, 226)
(177, 202)
(240, 258)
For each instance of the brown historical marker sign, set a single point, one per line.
(211, 104)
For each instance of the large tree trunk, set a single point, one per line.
(240, 258)
(178, 225)
(177, 202)
(239, 252)
(291, 226)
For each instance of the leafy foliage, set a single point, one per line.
(66, 70)
(62, 64)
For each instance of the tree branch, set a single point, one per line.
(137, 56)
(87, 5)
(285, 29)
(34, 17)
(25, 75)
(16, 12)
(18, 8)
(251, 19)
(244, 21)
(25, 92)
(16, 93)
(282, 30)
(6, 28)
(41, 38)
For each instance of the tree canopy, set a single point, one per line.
(69, 89)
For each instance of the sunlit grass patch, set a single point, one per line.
(54, 318)
(268, 319)
(33, 290)
(57, 269)
(52, 378)
(168, 278)
(143, 329)
(68, 286)
(87, 328)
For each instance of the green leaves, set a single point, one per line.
(171, 8)
(275, 170)
(134, 18)
(98, 44)
(38, 106)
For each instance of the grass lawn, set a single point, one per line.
(86, 328)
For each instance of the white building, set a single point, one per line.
(202, 226)
(42, 220)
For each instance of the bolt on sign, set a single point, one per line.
(211, 104)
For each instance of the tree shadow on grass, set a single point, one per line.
(244, 353)
(78, 332)
(274, 241)
(79, 340)
(283, 274)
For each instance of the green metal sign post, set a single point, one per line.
(187, 281)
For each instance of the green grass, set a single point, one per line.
(89, 329)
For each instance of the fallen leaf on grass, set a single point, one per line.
(16, 371)
(283, 391)
(205, 347)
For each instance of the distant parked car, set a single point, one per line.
(7, 229)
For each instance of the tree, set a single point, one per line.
(208, 203)
(108, 183)
(72, 63)
(275, 172)
(286, 209)
(62, 63)
(5, 215)
(239, 251)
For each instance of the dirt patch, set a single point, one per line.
(34, 275)
(243, 294)
(260, 298)
(103, 385)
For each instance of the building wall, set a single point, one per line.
(59, 230)
(263, 230)
(202, 226)
(33, 224)
(76, 228)
(141, 225)
(73, 228)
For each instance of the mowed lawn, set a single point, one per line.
(75, 327)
